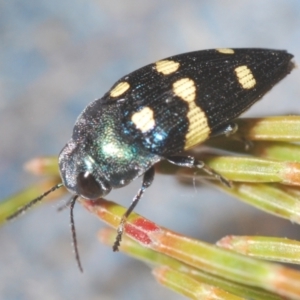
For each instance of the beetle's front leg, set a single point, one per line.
(147, 181)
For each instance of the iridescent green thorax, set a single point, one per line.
(100, 146)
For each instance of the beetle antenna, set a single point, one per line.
(33, 202)
(73, 231)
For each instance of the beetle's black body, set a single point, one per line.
(115, 147)
(159, 111)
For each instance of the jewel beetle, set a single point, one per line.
(157, 112)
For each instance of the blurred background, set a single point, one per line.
(55, 58)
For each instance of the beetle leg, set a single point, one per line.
(191, 162)
(226, 130)
(147, 181)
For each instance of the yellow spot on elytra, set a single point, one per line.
(144, 119)
(119, 89)
(166, 67)
(185, 89)
(245, 77)
(198, 127)
(225, 50)
(198, 130)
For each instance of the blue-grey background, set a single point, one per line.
(56, 57)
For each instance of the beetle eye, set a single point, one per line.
(88, 187)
